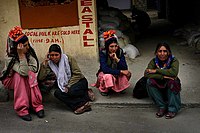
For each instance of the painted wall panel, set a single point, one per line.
(74, 40)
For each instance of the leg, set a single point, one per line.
(106, 83)
(100, 84)
(36, 97)
(156, 95)
(77, 95)
(174, 101)
(79, 89)
(121, 83)
(174, 104)
(21, 93)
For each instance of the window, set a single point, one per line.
(48, 13)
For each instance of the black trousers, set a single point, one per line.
(76, 96)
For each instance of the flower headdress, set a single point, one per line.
(16, 33)
(109, 34)
(15, 36)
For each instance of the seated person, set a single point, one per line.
(20, 74)
(163, 84)
(113, 73)
(60, 73)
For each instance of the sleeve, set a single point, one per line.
(172, 71)
(6, 62)
(75, 70)
(122, 65)
(22, 67)
(152, 65)
(32, 64)
(160, 73)
(104, 66)
(43, 72)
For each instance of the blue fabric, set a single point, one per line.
(167, 63)
(164, 98)
(106, 69)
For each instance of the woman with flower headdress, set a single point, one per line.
(163, 84)
(113, 74)
(19, 74)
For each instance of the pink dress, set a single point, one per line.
(26, 92)
(108, 81)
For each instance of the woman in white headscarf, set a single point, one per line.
(60, 72)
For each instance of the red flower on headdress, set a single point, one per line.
(108, 34)
(15, 33)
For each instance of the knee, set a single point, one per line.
(85, 82)
(16, 75)
(149, 82)
(108, 76)
(17, 78)
(57, 93)
(172, 83)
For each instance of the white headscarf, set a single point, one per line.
(63, 71)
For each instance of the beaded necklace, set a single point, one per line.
(167, 63)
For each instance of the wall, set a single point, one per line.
(9, 17)
(67, 37)
(79, 41)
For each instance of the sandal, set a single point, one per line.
(160, 113)
(85, 108)
(170, 115)
(91, 95)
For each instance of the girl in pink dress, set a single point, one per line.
(19, 74)
(113, 73)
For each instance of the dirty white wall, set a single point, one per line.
(70, 38)
(67, 37)
(9, 17)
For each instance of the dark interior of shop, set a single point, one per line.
(137, 20)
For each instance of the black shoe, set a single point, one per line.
(104, 93)
(26, 117)
(161, 112)
(122, 92)
(40, 113)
